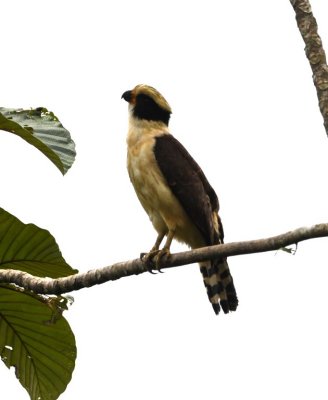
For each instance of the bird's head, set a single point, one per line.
(146, 103)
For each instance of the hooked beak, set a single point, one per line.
(127, 96)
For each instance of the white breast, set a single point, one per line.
(145, 176)
(162, 207)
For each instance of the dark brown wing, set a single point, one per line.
(188, 183)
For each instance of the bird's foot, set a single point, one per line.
(155, 258)
(149, 260)
(161, 257)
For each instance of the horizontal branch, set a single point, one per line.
(137, 266)
(315, 52)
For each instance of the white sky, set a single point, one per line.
(244, 105)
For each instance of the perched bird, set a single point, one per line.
(174, 191)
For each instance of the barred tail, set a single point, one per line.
(219, 285)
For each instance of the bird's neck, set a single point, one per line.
(141, 129)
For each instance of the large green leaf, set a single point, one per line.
(34, 337)
(41, 348)
(42, 129)
(28, 248)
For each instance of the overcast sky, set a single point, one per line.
(244, 105)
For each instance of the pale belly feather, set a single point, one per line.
(162, 207)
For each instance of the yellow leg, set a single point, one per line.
(154, 257)
(165, 252)
(148, 258)
(158, 242)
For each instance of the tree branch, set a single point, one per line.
(137, 266)
(315, 53)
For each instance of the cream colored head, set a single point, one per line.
(147, 105)
(152, 93)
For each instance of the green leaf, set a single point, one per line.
(28, 248)
(34, 336)
(41, 348)
(42, 129)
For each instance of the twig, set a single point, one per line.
(315, 53)
(135, 267)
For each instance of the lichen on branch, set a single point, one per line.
(314, 51)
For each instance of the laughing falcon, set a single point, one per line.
(174, 191)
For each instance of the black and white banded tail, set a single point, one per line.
(219, 285)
